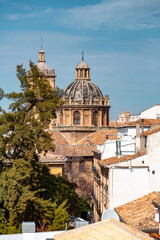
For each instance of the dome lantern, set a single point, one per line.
(82, 70)
(41, 55)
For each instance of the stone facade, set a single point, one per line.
(85, 113)
(46, 72)
(84, 105)
(124, 117)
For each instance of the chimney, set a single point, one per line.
(28, 230)
(138, 143)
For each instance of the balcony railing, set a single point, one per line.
(95, 171)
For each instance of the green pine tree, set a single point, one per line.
(61, 217)
(28, 192)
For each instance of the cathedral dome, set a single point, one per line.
(84, 104)
(83, 90)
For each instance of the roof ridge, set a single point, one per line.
(64, 137)
(85, 137)
(122, 159)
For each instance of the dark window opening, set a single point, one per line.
(95, 118)
(61, 118)
(76, 118)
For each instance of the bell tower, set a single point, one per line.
(46, 71)
(41, 55)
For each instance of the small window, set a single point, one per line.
(143, 162)
(81, 73)
(76, 118)
(153, 172)
(95, 118)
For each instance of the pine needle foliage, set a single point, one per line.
(28, 191)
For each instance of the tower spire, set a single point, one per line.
(41, 42)
(82, 55)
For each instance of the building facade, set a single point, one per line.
(121, 179)
(84, 104)
(82, 123)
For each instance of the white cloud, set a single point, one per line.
(128, 14)
(12, 16)
(48, 10)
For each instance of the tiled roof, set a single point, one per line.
(140, 213)
(114, 124)
(58, 137)
(125, 112)
(150, 132)
(84, 147)
(75, 150)
(99, 137)
(51, 157)
(144, 122)
(104, 230)
(156, 201)
(113, 160)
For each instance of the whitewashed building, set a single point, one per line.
(121, 179)
(151, 113)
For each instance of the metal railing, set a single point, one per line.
(95, 171)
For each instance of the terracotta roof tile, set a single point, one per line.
(114, 124)
(58, 137)
(144, 122)
(113, 160)
(140, 213)
(156, 201)
(150, 132)
(103, 230)
(125, 112)
(75, 150)
(51, 157)
(99, 137)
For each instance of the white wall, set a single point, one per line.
(135, 117)
(127, 185)
(153, 148)
(36, 236)
(133, 179)
(151, 113)
(109, 148)
(130, 131)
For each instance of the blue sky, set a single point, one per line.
(121, 41)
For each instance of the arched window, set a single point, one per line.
(76, 118)
(61, 118)
(95, 118)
